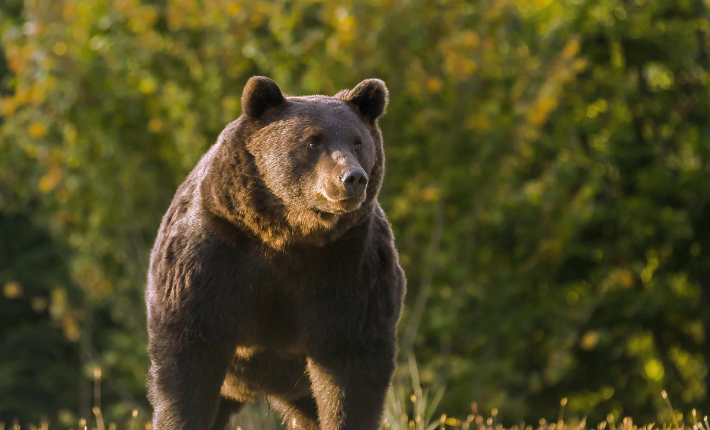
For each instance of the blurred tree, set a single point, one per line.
(547, 174)
(588, 230)
(37, 328)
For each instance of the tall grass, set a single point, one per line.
(408, 407)
(411, 410)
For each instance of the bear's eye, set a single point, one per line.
(357, 144)
(314, 142)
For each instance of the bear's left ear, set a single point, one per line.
(369, 96)
(260, 93)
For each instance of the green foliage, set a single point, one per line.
(547, 175)
(36, 326)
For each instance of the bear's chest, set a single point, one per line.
(303, 270)
(280, 291)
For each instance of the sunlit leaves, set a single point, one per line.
(12, 290)
(51, 179)
(561, 147)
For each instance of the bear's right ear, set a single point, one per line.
(260, 93)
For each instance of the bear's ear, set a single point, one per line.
(260, 93)
(369, 96)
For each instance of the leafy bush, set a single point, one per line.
(547, 176)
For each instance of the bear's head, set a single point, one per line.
(313, 164)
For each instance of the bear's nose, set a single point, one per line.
(355, 181)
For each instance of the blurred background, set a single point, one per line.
(548, 181)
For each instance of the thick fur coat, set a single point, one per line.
(274, 271)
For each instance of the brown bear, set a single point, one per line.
(274, 271)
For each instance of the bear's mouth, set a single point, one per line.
(335, 211)
(340, 206)
(325, 216)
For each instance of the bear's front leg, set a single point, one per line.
(350, 385)
(185, 379)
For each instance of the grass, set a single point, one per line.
(406, 409)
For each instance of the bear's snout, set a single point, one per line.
(355, 182)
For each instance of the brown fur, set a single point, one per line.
(270, 277)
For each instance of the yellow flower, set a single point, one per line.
(12, 290)
(37, 129)
(60, 48)
(155, 125)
